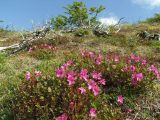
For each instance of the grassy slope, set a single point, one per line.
(125, 42)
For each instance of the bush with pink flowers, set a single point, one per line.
(88, 85)
(42, 51)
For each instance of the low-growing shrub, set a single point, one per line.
(87, 86)
(43, 51)
(81, 32)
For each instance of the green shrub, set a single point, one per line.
(81, 32)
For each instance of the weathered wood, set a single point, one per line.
(148, 36)
(27, 40)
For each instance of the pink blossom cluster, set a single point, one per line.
(42, 46)
(98, 59)
(120, 99)
(89, 54)
(92, 80)
(63, 117)
(134, 67)
(155, 71)
(136, 77)
(132, 59)
(37, 74)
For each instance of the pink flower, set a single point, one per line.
(153, 69)
(30, 50)
(96, 75)
(116, 59)
(132, 68)
(129, 110)
(93, 113)
(99, 59)
(136, 78)
(144, 62)
(38, 73)
(28, 75)
(82, 90)
(120, 99)
(132, 56)
(62, 117)
(102, 82)
(83, 53)
(69, 62)
(135, 58)
(71, 77)
(91, 54)
(84, 74)
(94, 87)
(60, 73)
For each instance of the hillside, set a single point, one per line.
(38, 97)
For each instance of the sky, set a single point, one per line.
(24, 14)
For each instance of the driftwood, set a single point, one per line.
(148, 36)
(27, 40)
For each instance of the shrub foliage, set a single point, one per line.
(87, 85)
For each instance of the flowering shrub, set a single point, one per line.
(42, 51)
(84, 86)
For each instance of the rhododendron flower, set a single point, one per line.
(125, 69)
(135, 58)
(153, 69)
(136, 78)
(30, 50)
(83, 53)
(71, 77)
(60, 73)
(132, 68)
(96, 75)
(132, 56)
(102, 82)
(28, 75)
(93, 113)
(82, 90)
(116, 59)
(144, 62)
(38, 73)
(91, 54)
(99, 59)
(84, 74)
(62, 117)
(129, 110)
(120, 99)
(94, 87)
(69, 62)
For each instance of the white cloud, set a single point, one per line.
(109, 20)
(149, 3)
